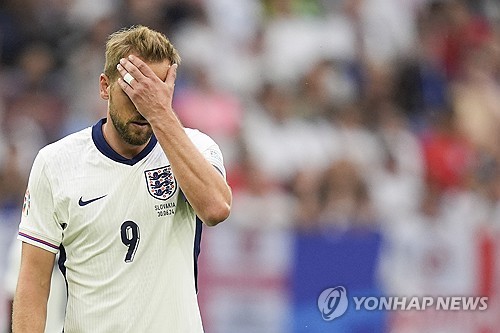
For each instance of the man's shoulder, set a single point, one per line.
(68, 146)
(198, 137)
(192, 132)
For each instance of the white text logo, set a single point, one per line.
(333, 303)
(421, 303)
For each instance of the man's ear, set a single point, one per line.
(104, 86)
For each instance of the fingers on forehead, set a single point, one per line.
(130, 67)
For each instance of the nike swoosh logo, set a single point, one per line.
(82, 203)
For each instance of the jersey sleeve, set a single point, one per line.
(210, 151)
(214, 155)
(39, 226)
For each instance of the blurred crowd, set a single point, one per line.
(331, 114)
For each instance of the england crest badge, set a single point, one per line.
(161, 182)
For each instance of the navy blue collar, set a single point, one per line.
(105, 148)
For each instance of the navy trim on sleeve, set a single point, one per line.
(197, 249)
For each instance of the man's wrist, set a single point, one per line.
(165, 122)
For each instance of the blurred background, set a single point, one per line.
(361, 141)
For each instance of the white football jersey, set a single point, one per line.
(127, 237)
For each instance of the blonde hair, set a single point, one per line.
(149, 45)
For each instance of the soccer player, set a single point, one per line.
(123, 202)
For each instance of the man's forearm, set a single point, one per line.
(29, 311)
(32, 293)
(203, 186)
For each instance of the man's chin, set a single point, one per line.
(139, 136)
